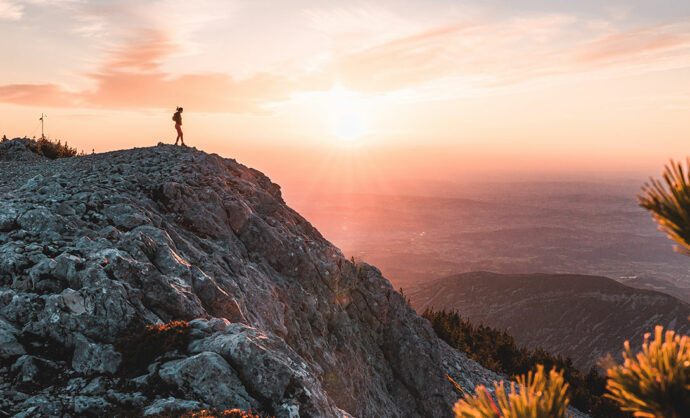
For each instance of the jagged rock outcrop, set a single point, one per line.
(281, 322)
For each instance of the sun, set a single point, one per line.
(347, 112)
(348, 125)
(342, 115)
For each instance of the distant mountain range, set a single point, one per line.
(560, 227)
(584, 317)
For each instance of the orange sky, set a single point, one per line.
(359, 92)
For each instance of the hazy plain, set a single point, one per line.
(432, 230)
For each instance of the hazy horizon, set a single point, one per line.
(552, 227)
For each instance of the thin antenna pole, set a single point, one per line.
(43, 136)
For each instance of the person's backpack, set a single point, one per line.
(176, 117)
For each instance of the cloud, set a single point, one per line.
(479, 56)
(402, 62)
(43, 94)
(131, 78)
(635, 44)
(122, 19)
(10, 10)
(519, 51)
(13, 10)
(350, 26)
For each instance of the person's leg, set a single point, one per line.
(179, 134)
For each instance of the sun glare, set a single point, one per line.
(348, 126)
(342, 115)
(347, 114)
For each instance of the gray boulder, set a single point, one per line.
(171, 406)
(92, 405)
(8, 217)
(9, 346)
(125, 216)
(207, 376)
(41, 406)
(31, 371)
(91, 358)
(40, 220)
(270, 370)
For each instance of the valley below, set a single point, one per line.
(574, 267)
(585, 318)
(434, 231)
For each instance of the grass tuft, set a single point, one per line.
(656, 381)
(669, 202)
(535, 395)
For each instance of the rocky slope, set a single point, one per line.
(18, 149)
(281, 322)
(584, 317)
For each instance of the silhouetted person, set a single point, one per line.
(177, 117)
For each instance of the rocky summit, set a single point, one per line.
(278, 320)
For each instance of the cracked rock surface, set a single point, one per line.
(281, 323)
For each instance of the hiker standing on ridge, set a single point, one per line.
(177, 117)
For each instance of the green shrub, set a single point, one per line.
(534, 396)
(669, 203)
(52, 150)
(496, 350)
(655, 383)
(141, 345)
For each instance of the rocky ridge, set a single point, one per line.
(281, 323)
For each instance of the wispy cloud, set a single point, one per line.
(514, 52)
(373, 50)
(14, 10)
(400, 63)
(635, 44)
(348, 27)
(131, 78)
(11, 10)
(130, 74)
(32, 94)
